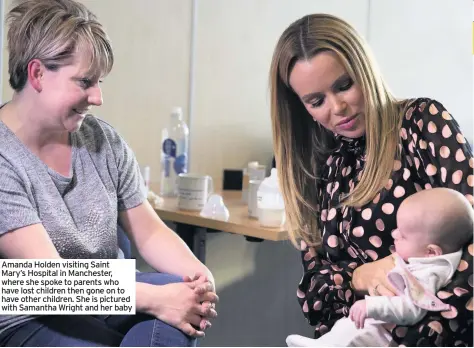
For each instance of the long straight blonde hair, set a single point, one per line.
(302, 145)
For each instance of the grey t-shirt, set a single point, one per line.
(79, 212)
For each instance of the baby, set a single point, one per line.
(433, 226)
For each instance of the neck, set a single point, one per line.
(30, 125)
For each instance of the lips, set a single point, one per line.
(80, 112)
(346, 120)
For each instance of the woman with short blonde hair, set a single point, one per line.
(69, 179)
(53, 32)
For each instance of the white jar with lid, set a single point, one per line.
(271, 209)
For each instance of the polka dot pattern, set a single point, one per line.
(406, 174)
(460, 138)
(457, 177)
(446, 115)
(376, 241)
(433, 153)
(372, 254)
(432, 127)
(431, 170)
(460, 155)
(446, 132)
(444, 151)
(399, 192)
(380, 225)
(388, 208)
(358, 232)
(366, 214)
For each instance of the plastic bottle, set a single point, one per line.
(246, 180)
(174, 153)
(271, 209)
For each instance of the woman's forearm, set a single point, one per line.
(158, 245)
(166, 252)
(358, 283)
(143, 298)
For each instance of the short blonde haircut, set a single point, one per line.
(52, 31)
(302, 146)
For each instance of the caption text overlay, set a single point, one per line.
(42, 287)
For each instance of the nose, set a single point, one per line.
(338, 105)
(395, 234)
(95, 95)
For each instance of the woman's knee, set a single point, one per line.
(156, 333)
(157, 278)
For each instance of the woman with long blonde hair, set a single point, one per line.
(348, 153)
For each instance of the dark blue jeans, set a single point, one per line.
(138, 330)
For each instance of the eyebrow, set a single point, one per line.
(306, 98)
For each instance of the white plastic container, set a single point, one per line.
(271, 209)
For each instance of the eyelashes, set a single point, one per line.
(343, 86)
(346, 85)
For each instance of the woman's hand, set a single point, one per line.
(371, 278)
(202, 286)
(179, 304)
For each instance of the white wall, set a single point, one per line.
(235, 42)
(424, 48)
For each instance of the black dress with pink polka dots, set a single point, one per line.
(434, 153)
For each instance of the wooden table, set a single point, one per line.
(193, 228)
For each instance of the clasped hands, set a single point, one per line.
(206, 299)
(187, 305)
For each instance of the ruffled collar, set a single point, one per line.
(351, 146)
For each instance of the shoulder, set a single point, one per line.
(98, 135)
(95, 127)
(423, 109)
(13, 160)
(14, 176)
(426, 117)
(6, 166)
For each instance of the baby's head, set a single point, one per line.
(433, 222)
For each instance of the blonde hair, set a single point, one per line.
(301, 145)
(52, 31)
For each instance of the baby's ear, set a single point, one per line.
(433, 250)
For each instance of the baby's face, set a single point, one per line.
(407, 241)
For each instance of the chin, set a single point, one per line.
(354, 134)
(357, 131)
(73, 126)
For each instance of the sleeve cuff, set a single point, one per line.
(373, 303)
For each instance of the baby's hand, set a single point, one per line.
(358, 313)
